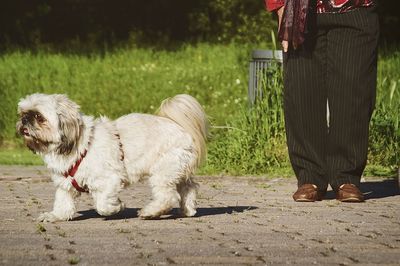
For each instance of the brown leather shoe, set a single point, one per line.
(308, 193)
(349, 193)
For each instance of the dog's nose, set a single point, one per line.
(24, 120)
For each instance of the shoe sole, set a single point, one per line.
(303, 200)
(355, 200)
(306, 200)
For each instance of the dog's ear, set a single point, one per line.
(70, 124)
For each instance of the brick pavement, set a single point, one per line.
(240, 220)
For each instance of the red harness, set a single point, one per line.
(72, 170)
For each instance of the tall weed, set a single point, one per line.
(384, 144)
(254, 142)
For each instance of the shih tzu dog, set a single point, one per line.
(101, 156)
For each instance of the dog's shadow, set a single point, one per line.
(130, 213)
(375, 189)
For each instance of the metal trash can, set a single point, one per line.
(260, 61)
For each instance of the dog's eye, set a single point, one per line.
(39, 118)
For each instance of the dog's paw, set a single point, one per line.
(109, 209)
(146, 214)
(48, 217)
(188, 212)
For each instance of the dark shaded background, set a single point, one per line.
(106, 23)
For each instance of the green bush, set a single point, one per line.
(81, 25)
(241, 21)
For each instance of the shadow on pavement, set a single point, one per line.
(375, 189)
(383, 189)
(130, 213)
(222, 210)
(127, 213)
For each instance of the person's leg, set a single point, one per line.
(305, 99)
(351, 81)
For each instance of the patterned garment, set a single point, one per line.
(294, 20)
(340, 6)
(325, 6)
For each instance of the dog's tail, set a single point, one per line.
(187, 112)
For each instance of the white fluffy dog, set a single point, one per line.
(101, 156)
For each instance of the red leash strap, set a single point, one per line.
(77, 187)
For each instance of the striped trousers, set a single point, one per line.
(336, 64)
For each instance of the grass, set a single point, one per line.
(244, 140)
(125, 81)
(19, 156)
